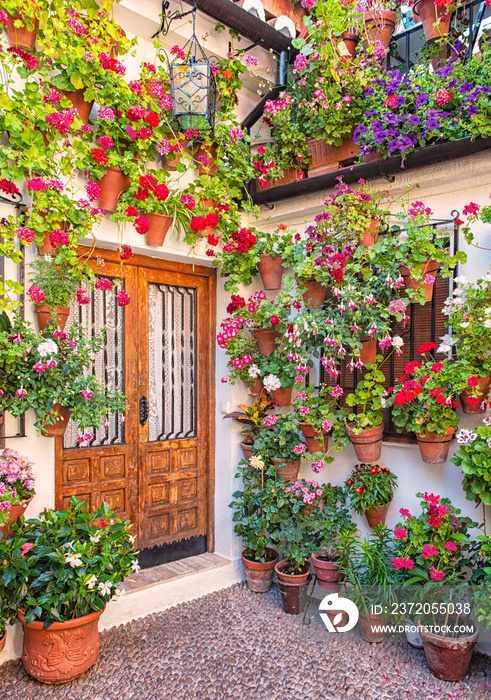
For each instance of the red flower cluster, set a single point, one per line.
(141, 224)
(58, 237)
(30, 61)
(443, 97)
(198, 223)
(244, 239)
(99, 156)
(427, 347)
(237, 302)
(123, 298)
(104, 284)
(8, 187)
(113, 64)
(212, 219)
(125, 252)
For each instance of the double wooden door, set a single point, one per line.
(153, 466)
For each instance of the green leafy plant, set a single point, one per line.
(474, 458)
(279, 440)
(330, 520)
(370, 486)
(369, 396)
(66, 564)
(57, 283)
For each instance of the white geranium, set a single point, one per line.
(397, 342)
(253, 371)
(446, 344)
(271, 382)
(487, 323)
(461, 279)
(49, 347)
(465, 324)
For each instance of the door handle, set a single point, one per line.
(144, 410)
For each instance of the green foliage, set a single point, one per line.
(368, 396)
(58, 282)
(474, 457)
(279, 440)
(65, 564)
(370, 486)
(253, 416)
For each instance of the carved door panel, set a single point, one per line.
(154, 467)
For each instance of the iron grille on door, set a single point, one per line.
(172, 362)
(102, 312)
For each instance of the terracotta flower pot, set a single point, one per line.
(2, 641)
(367, 444)
(430, 268)
(377, 515)
(14, 514)
(21, 37)
(45, 313)
(289, 472)
(431, 14)
(368, 351)
(315, 294)
(208, 203)
(351, 41)
(259, 576)
(317, 440)
(81, 105)
(283, 396)
(46, 248)
(327, 573)
(369, 237)
(159, 225)
(58, 429)
(434, 448)
(256, 388)
(265, 340)
(475, 408)
(112, 185)
(271, 270)
(448, 658)
(63, 651)
(247, 450)
(380, 26)
(368, 625)
(293, 588)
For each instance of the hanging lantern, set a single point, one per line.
(193, 87)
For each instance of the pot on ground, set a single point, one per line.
(58, 429)
(317, 439)
(434, 448)
(368, 627)
(159, 225)
(289, 471)
(45, 313)
(63, 651)
(283, 395)
(112, 185)
(265, 339)
(293, 588)
(377, 515)
(367, 444)
(259, 576)
(14, 514)
(472, 407)
(327, 573)
(22, 37)
(448, 658)
(271, 270)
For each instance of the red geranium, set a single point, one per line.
(162, 192)
(198, 223)
(427, 347)
(141, 224)
(99, 156)
(152, 119)
(211, 220)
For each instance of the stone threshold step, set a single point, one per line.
(146, 578)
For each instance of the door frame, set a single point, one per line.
(209, 274)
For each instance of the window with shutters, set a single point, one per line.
(426, 323)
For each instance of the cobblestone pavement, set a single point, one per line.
(237, 645)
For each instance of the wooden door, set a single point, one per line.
(154, 465)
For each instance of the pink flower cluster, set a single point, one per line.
(36, 294)
(307, 491)
(241, 362)
(230, 327)
(62, 121)
(401, 563)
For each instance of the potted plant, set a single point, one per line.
(291, 532)
(369, 577)
(17, 481)
(371, 489)
(244, 358)
(280, 443)
(319, 416)
(253, 508)
(328, 523)
(422, 251)
(365, 427)
(23, 23)
(254, 418)
(435, 552)
(266, 319)
(52, 289)
(424, 402)
(154, 209)
(468, 311)
(60, 571)
(473, 457)
(54, 379)
(270, 248)
(380, 18)
(280, 373)
(434, 17)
